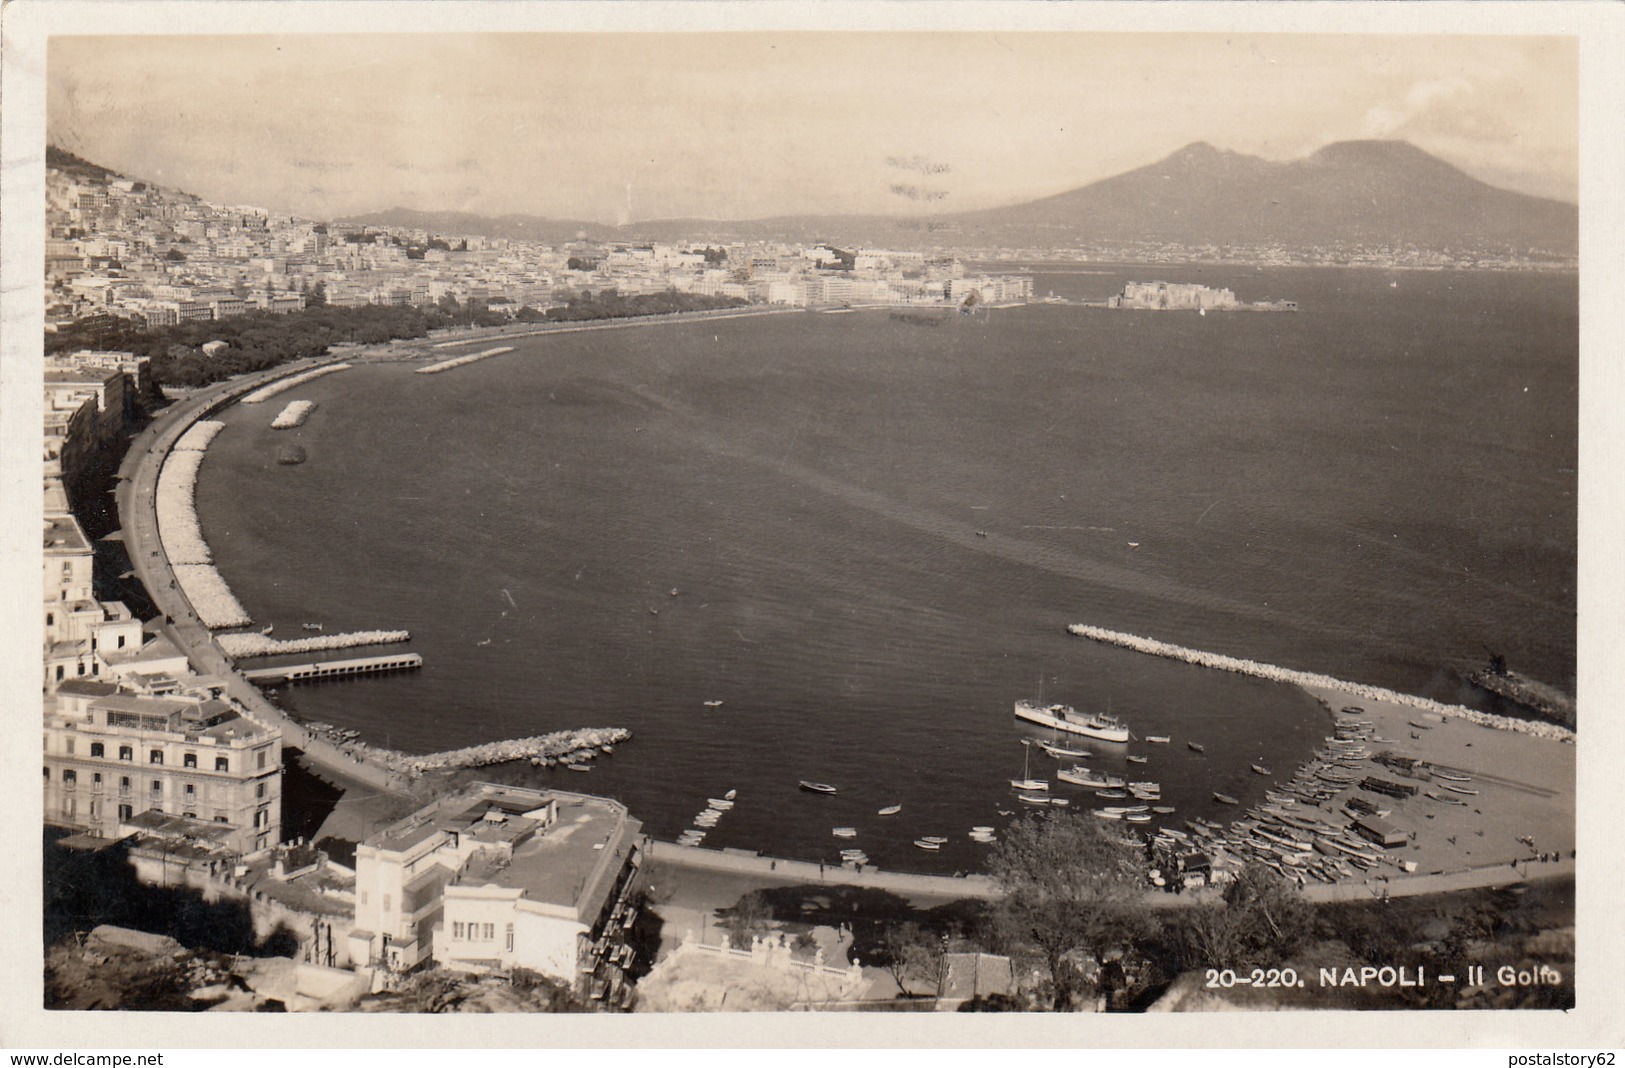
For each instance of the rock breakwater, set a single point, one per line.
(542, 749)
(293, 415)
(245, 645)
(282, 385)
(473, 357)
(1220, 662)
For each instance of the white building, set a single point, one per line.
(498, 877)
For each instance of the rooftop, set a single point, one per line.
(62, 534)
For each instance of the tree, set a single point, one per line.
(910, 952)
(318, 296)
(1263, 919)
(1069, 887)
(750, 917)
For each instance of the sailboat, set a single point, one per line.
(1025, 782)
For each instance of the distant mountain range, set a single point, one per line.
(1348, 193)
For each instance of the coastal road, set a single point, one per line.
(137, 494)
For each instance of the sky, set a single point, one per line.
(615, 127)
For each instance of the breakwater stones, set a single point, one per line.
(282, 385)
(1309, 678)
(541, 750)
(293, 415)
(198, 435)
(238, 646)
(473, 357)
(210, 597)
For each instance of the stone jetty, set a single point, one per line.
(293, 415)
(1313, 679)
(542, 750)
(473, 357)
(245, 645)
(282, 385)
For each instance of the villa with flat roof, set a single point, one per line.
(499, 877)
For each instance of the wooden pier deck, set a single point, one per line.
(332, 669)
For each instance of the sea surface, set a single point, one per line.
(866, 533)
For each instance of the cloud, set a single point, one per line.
(1423, 101)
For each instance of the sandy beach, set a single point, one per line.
(1525, 783)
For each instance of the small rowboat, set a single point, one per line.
(817, 787)
(1452, 776)
(1225, 799)
(712, 704)
(1034, 799)
(937, 838)
(578, 767)
(932, 847)
(1059, 802)
(1138, 817)
(1196, 748)
(1261, 769)
(1139, 760)
(719, 803)
(1458, 789)
(730, 795)
(1159, 739)
(1163, 810)
(1061, 750)
(891, 810)
(845, 832)
(1106, 815)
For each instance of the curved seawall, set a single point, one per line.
(137, 503)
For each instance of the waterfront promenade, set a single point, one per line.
(138, 518)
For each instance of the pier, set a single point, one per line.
(330, 669)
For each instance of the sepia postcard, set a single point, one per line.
(812, 525)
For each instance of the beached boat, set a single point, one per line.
(1453, 788)
(1099, 725)
(891, 810)
(1452, 776)
(1196, 748)
(1440, 797)
(1225, 799)
(1158, 739)
(817, 787)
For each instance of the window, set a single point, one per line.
(47, 773)
(189, 760)
(191, 791)
(220, 817)
(121, 641)
(260, 758)
(489, 931)
(222, 764)
(70, 776)
(96, 777)
(50, 619)
(157, 786)
(126, 753)
(457, 930)
(60, 671)
(97, 749)
(510, 938)
(125, 812)
(155, 756)
(259, 789)
(190, 815)
(70, 743)
(81, 667)
(123, 784)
